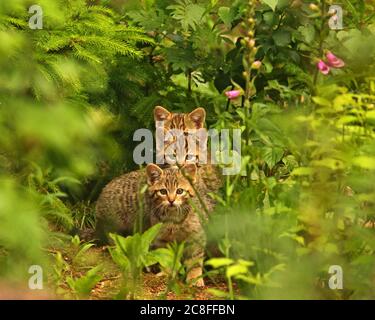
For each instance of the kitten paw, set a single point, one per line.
(161, 274)
(194, 277)
(198, 283)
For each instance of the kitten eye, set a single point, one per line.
(190, 157)
(180, 191)
(163, 192)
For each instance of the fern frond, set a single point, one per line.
(101, 10)
(54, 42)
(12, 21)
(143, 109)
(66, 73)
(113, 45)
(187, 13)
(85, 55)
(135, 37)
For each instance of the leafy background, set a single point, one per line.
(72, 94)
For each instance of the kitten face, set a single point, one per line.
(170, 191)
(183, 123)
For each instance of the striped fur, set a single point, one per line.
(195, 120)
(167, 200)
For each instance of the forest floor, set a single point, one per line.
(153, 285)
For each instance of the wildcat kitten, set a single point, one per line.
(195, 120)
(166, 200)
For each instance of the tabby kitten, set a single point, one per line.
(195, 120)
(166, 200)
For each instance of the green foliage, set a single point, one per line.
(233, 270)
(271, 3)
(187, 13)
(72, 94)
(170, 262)
(54, 132)
(80, 248)
(132, 254)
(170, 259)
(77, 268)
(19, 218)
(82, 286)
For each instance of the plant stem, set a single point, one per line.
(189, 82)
(230, 287)
(321, 42)
(202, 203)
(248, 60)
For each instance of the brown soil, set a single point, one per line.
(153, 285)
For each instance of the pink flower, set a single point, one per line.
(333, 61)
(233, 94)
(323, 68)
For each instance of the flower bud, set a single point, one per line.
(233, 94)
(323, 67)
(314, 7)
(296, 4)
(256, 65)
(251, 43)
(334, 61)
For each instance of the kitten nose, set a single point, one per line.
(171, 200)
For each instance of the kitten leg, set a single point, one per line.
(194, 277)
(194, 263)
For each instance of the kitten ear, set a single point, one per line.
(190, 170)
(154, 173)
(197, 117)
(161, 114)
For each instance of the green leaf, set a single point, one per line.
(331, 163)
(290, 161)
(83, 285)
(302, 171)
(331, 248)
(83, 249)
(281, 37)
(149, 235)
(307, 32)
(189, 14)
(235, 270)
(346, 119)
(272, 155)
(365, 162)
(322, 101)
(119, 257)
(245, 263)
(271, 3)
(219, 262)
(218, 293)
(169, 258)
(257, 280)
(226, 15)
